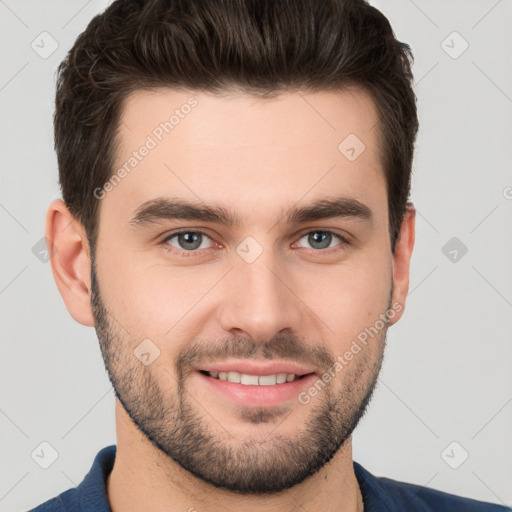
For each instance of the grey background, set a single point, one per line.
(447, 372)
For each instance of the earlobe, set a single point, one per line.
(70, 260)
(402, 259)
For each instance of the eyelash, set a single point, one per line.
(181, 252)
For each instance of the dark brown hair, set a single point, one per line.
(260, 47)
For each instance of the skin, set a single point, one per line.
(181, 446)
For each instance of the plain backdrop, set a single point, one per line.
(441, 415)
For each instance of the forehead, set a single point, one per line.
(290, 118)
(246, 152)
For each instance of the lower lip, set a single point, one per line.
(256, 395)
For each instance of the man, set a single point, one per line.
(235, 223)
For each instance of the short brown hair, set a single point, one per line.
(261, 47)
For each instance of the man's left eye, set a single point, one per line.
(321, 239)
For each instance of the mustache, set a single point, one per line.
(289, 348)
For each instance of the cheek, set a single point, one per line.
(152, 301)
(132, 295)
(350, 297)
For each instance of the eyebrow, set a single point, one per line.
(162, 209)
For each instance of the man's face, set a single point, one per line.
(268, 289)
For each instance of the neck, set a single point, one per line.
(143, 475)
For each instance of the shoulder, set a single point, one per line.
(388, 495)
(90, 494)
(416, 497)
(64, 502)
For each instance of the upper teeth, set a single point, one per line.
(254, 380)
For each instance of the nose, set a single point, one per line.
(258, 300)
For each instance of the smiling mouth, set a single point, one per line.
(254, 380)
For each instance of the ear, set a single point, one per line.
(402, 259)
(68, 250)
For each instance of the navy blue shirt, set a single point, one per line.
(379, 494)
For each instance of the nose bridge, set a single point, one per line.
(258, 299)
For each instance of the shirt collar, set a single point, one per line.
(92, 492)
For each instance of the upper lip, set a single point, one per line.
(257, 367)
